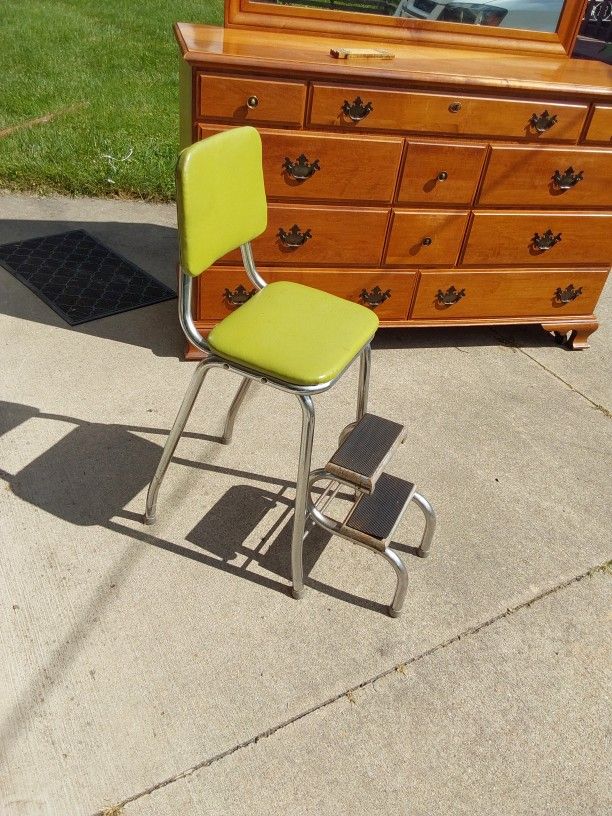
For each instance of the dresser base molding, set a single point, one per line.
(572, 332)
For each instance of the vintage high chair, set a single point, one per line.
(292, 337)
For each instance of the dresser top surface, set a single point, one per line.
(288, 53)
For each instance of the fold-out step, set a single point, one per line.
(375, 517)
(362, 456)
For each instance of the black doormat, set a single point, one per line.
(80, 278)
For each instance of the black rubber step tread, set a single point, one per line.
(363, 454)
(378, 514)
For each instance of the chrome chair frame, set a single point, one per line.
(304, 395)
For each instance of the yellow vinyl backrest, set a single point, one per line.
(220, 197)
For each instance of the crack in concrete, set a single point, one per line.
(509, 343)
(605, 411)
(348, 693)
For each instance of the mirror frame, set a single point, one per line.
(357, 25)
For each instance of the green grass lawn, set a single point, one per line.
(108, 69)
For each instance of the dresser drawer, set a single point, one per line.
(389, 293)
(421, 238)
(600, 126)
(532, 176)
(241, 100)
(450, 294)
(320, 235)
(441, 173)
(320, 167)
(508, 238)
(332, 106)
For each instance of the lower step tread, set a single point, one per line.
(376, 516)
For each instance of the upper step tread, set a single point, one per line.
(365, 451)
(377, 515)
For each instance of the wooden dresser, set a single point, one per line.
(447, 186)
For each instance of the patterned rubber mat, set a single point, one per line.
(80, 278)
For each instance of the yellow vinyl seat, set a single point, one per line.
(294, 333)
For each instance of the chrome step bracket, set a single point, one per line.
(375, 517)
(363, 454)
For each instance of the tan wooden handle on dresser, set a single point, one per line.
(375, 297)
(450, 297)
(546, 241)
(568, 294)
(357, 109)
(294, 238)
(542, 122)
(238, 296)
(567, 180)
(300, 169)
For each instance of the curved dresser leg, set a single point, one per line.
(579, 333)
(579, 336)
(430, 524)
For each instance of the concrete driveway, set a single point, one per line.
(167, 670)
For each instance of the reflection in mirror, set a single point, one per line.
(528, 15)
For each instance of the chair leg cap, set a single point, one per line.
(298, 594)
(422, 553)
(148, 520)
(394, 613)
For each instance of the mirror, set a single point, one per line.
(514, 26)
(526, 15)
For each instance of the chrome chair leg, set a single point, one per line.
(430, 524)
(365, 362)
(362, 393)
(301, 490)
(402, 581)
(228, 430)
(175, 434)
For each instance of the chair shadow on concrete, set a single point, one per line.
(153, 248)
(89, 476)
(95, 470)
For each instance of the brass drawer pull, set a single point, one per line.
(567, 180)
(543, 122)
(293, 238)
(375, 297)
(357, 110)
(450, 296)
(568, 294)
(427, 241)
(238, 296)
(301, 168)
(454, 107)
(252, 102)
(442, 175)
(546, 241)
